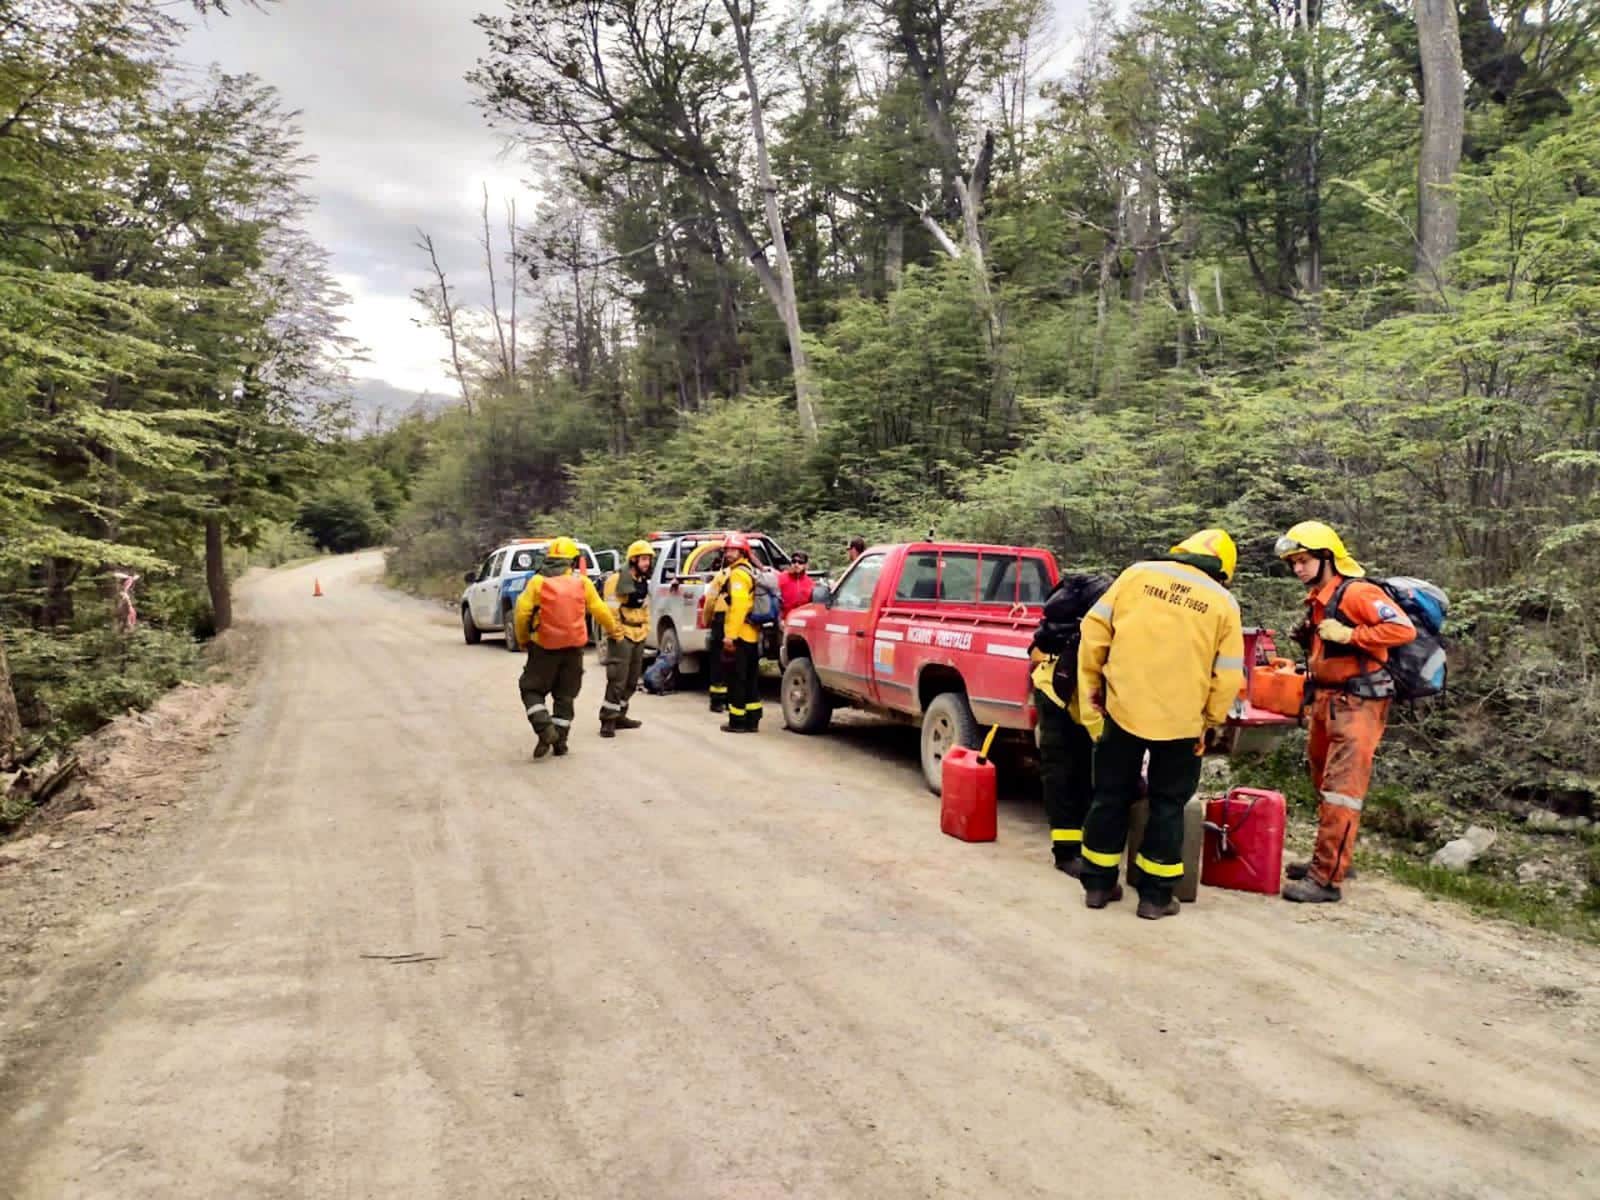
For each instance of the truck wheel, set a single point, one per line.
(509, 625)
(806, 707)
(669, 647)
(469, 627)
(946, 723)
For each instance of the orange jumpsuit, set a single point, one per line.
(1344, 729)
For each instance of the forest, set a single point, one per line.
(874, 266)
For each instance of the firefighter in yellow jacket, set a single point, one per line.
(1161, 655)
(741, 639)
(627, 594)
(549, 622)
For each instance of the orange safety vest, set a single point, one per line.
(562, 607)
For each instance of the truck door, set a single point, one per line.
(843, 651)
(487, 590)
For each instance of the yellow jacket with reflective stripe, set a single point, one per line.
(717, 594)
(1044, 679)
(633, 623)
(741, 595)
(1165, 648)
(522, 615)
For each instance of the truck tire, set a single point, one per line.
(509, 625)
(668, 646)
(806, 707)
(946, 723)
(469, 627)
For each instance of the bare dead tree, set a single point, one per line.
(442, 311)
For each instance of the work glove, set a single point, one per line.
(1335, 631)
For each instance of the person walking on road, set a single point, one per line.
(549, 622)
(1350, 627)
(627, 594)
(742, 639)
(1162, 658)
(1066, 724)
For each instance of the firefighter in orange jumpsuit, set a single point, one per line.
(1349, 628)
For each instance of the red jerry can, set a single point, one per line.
(967, 810)
(1244, 841)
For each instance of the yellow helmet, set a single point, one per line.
(1315, 537)
(562, 547)
(1213, 542)
(641, 549)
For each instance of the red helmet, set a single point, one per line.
(736, 541)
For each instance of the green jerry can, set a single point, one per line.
(1194, 836)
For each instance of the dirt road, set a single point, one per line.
(684, 965)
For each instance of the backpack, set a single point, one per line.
(1059, 627)
(660, 675)
(1418, 669)
(766, 600)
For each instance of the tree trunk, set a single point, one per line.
(217, 577)
(788, 302)
(1443, 122)
(10, 721)
(894, 255)
(1308, 97)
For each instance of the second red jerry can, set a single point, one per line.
(1244, 841)
(967, 809)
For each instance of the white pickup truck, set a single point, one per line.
(685, 563)
(492, 589)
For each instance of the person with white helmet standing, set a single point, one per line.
(549, 622)
(627, 594)
(1350, 627)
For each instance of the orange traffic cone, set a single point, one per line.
(317, 589)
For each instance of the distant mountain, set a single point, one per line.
(370, 397)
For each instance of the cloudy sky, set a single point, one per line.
(389, 117)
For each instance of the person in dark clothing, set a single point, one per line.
(1066, 727)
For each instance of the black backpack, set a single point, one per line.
(1419, 668)
(1059, 628)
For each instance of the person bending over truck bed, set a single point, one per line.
(1162, 657)
(1066, 722)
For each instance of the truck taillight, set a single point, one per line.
(700, 614)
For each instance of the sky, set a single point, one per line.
(389, 117)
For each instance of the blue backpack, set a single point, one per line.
(1418, 668)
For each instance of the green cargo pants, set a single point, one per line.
(1174, 776)
(1066, 775)
(624, 665)
(557, 673)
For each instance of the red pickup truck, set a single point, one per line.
(934, 632)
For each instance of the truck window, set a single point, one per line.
(855, 589)
(999, 579)
(484, 570)
(1035, 581)
(526, 560)
(775, 558)
(919, 578)
(958, 578)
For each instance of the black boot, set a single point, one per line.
(1154, 910)
(547, 741)
(627, 722)
(608, 727)
(1100, 897)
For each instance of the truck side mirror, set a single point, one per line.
(470, 577)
